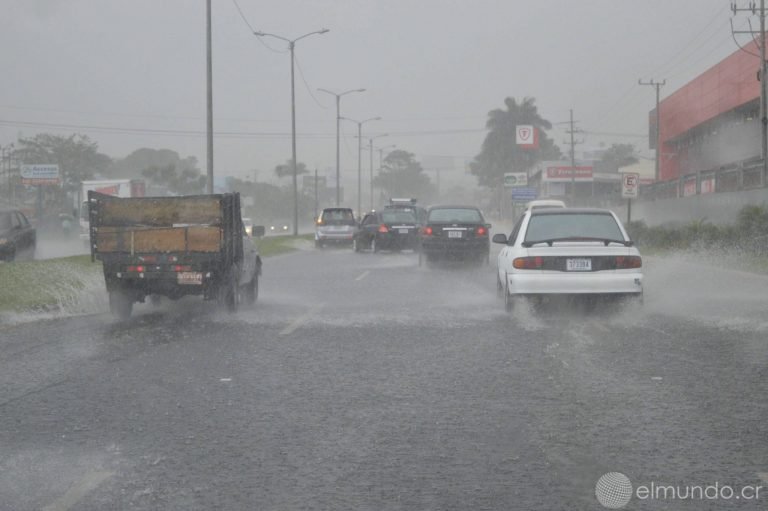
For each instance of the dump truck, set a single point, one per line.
(173, 247)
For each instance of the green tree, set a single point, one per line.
(615, 157)
(78, 157)
(285, 169)
(402, 176)
(500, 153)
(185, 182)
(133, 165)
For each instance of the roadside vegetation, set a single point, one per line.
(52, 284)
(745, 240)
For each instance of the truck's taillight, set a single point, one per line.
(383, 228)
(180, 267)
(481, 231)
(427, 231)
(626, 262)
(139, 269)
(528, 263)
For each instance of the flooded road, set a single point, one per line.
(362, 381)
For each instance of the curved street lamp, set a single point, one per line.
(291, 45)
(338, 119)
(360, 158)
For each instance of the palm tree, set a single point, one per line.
(500, 154)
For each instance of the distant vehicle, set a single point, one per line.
(388, 229)
(114, 187)
(335, 226)
(18, 239)
(173, 247)
(279, 228)
(409, 204)
(455, 232)
(568, 251)
(544, 203)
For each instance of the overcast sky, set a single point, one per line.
(131, 73)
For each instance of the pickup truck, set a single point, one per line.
(173, 247)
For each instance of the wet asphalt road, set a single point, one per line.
(364, 382)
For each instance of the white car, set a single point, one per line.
(568, 251)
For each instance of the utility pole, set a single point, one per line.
(572, 131)
(657, 142)
(338, 125)
(359, 158)
(760, 12)
(209, 95)
(370, 148)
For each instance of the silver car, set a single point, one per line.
(335, 226)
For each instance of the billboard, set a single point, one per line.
(526, 136)
(40, 174)
(563, 173)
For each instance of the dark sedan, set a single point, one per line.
(455, 233)
(17, 237)
(389, 229)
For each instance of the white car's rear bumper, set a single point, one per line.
(608, 282)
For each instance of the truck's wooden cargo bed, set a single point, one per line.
(138, 240)
(145, 225)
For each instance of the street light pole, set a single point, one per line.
(370, 140)
(291, 46)
(338, 122)
(359, 159)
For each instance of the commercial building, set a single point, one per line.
(710, 131)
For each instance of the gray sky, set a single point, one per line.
(430, 67)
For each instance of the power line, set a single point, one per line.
(250, 27)
(301, 73)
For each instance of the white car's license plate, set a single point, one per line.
(189, 277)
(403, 231)
(578, 264)
(454, 234)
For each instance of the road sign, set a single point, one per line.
(515, 179)
(526, 136)
(40, 174)
(630, 184)
(524, 194)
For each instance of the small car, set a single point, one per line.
(455, 233)
(335, 226)
(568, 251)
(18, 239)
(389, 229)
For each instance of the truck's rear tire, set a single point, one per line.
(229, 294)
(251, 293)
(120, 304)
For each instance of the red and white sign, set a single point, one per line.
(563, 174)
(708, 185)
(526, 136)
(630, 184)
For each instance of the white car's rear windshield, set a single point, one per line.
(573, 225)
(455, 216)
(338, 217)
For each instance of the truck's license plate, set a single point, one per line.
(189, 277)
(403, 231)
(578, 264)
